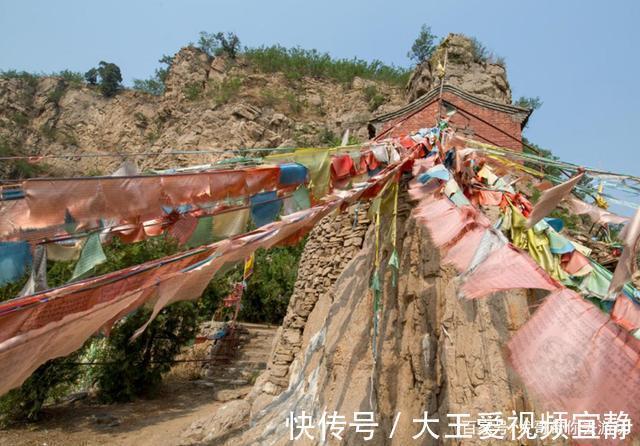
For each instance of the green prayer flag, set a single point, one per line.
(92, 255)
(203, 234)
(301, 198)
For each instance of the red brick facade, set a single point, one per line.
(500, 127)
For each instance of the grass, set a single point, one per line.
(297, 63)
(20, 119)
(55, 95)
(223, 92)
(18, 169)
(373, 97)
(192, 91)
(295, 104)
(269, 97)
(72, 78)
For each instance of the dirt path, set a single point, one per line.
(159, 421)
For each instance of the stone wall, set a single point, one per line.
(331, 245)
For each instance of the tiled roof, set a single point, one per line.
(521, 113)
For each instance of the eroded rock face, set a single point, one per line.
(433, 351)
(209, 103)
(487, 79)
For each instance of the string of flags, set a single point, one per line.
(563, 354)
(66, 316)
(571, 355)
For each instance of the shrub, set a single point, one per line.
(271, 285)
(155, 85)
(296, 63)
(479, 51)
(51, 381)
(223, 92)
(423, 47)
(17, 169)
(56, 94)
(192, 91)
(20, 119)
(151, 86)
(72, 78)
(269, 98)
(30, 78)
(373, 97)
(135, 368)
(296, 106)
(532, 103)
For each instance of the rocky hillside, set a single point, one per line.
(208, 103)
(217, 103)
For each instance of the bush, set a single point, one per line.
(296, 63)
(131, 369)
(479, 51)
(373, 97)
(155, 85)
(481, 54)
(30, 78)
(17, 169)
(72, 78)
(269, 98)
(192, 91)
(151, 86)
(532, 103)
(223, 92)
(56, 94)
(296, 106)
(423, 47)
(271, 285)
(50, 382)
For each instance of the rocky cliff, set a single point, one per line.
(468, 67)
(209, 103)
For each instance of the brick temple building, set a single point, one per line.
(475, 117)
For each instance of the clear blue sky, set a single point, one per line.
(581, 57)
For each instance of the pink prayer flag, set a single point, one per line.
(550, 199)
(627, 262)
(504, 269)
(596, 214)
(626, 313)
(461, 252)
(573, 358)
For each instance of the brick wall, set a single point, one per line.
(465, 123)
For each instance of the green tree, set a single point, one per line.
(271, 285)
(532, 103)
(424, 46)
(91, 76)
(110, 78)
(219, 43)
(109, 75)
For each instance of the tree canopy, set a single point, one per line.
(424, 45)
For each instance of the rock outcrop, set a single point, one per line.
(431, 351)
(209, 103)
(480, 75)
